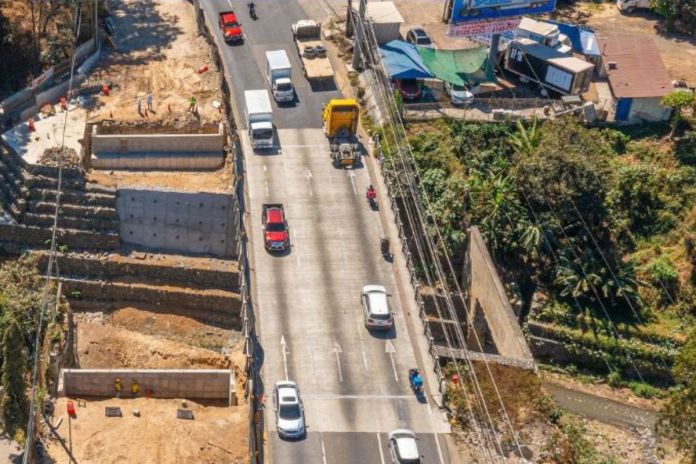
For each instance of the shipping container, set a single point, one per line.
(547, 67)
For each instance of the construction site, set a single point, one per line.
(133, 167)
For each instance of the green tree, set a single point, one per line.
(668, 9)
(678, 100)
(14, 400)
(678, 415)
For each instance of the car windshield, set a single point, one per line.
(381, 317)
(232, 24)
(423, 40)
(263, 134)
(285, 86)
(275, 227)
(290, 411)
(409, 83)
(459, 88)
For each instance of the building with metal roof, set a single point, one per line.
(637, 77)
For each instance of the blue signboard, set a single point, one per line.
(476, 10)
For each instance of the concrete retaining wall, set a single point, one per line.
(192, 384)
(197, 223)
(158, 151)
(487, 296)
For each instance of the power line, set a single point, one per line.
(443, 279)
(49, 271)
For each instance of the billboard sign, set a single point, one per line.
(478, 10)
(477, 28)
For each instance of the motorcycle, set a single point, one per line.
(371, 198)
(416, 381)
(252, 10)
(384, 246)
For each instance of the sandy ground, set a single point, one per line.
(159, 52)
(103, 346)
(678, 52)
(216, 435)
(198, 181)
(428, 14)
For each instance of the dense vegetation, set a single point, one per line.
(597, 224)
(35, 35)
(21, 291)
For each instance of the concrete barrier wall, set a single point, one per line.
(488, 294)
(164, 383)
(184, 222)
(157, 151)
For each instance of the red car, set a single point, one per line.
(408, 88)
(275, 229)
(230, 27)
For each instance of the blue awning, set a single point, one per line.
(402, 61)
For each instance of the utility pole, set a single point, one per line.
(360, 37)
(492, 57)
(349, 20)
(96, 25)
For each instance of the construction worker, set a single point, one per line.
(138, 104)
(135, 387)
(118, 387)
(192, 104)
(148, 100)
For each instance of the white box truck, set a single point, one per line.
(259, 118)
(279, 75)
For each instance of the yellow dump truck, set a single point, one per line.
(340, 118)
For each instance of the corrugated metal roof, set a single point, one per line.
(639, 71)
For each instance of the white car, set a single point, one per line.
(375, 302)
(459, 95)
(289, 411)
(403, 447)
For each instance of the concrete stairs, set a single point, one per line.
(28, 193)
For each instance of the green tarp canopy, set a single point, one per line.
(459, 67)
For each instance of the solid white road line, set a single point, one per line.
(323, 450)
(439, 450)
(379, 445)
(362, 342)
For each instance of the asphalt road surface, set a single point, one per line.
(353, 382)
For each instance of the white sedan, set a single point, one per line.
(459, 95)
(403, 447)
(289, 410)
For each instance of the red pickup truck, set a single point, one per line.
(275, 229)
(230, 27)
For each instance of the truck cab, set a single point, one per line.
(230, 27)
(340, 117)
(259, 118)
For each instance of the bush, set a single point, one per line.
(615, 380)
(665, 278)
(685, 148)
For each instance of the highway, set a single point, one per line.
(354, 383)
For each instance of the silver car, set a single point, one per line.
(376, 310)
(289, 411)
(403, 447)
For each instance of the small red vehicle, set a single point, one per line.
(275, 229)
(230, 27)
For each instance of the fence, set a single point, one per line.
(254, 388)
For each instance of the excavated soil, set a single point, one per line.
(106, 346)
(216, 434)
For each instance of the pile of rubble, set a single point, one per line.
(51, 157)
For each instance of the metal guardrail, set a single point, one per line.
(413, 277)
(253, 389)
